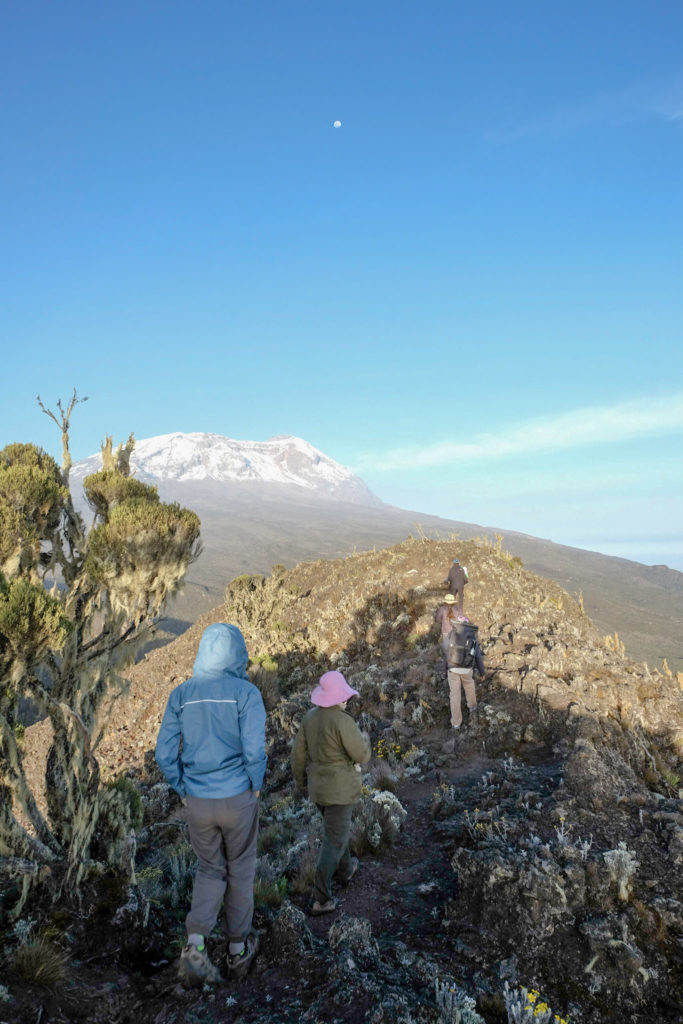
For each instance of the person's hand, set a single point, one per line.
(257, 793)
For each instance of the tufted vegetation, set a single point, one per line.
(74, 608)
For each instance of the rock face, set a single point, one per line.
(539, 862)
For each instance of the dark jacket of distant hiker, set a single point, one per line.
(330, 742)
(456, 582)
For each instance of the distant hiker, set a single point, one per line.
(463, 655)
(446, 615)
(456, 581)
(328, 752)
(220, 718)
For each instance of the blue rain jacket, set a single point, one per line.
(221, 719)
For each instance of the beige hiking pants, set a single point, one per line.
(457, 678)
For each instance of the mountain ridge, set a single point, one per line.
(251, 523)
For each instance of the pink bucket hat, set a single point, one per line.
(332, 689)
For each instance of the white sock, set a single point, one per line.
(235, 948)
(196, 940)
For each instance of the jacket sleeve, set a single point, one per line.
(479, 661)
(252, 718)
(355, 745)
(298, 757)
(167, 751)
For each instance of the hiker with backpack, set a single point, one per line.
(456, 582)
(327, 755)
(463, 656)
(446, 615)
(219, 717)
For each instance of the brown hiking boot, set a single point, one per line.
(239, 963)
(195, 968)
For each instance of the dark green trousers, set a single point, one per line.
(334, 852)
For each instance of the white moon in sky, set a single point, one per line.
(337, 124)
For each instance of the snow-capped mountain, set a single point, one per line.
(214, 459)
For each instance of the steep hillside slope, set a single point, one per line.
(540, 849)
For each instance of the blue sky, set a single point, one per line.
(470, 292)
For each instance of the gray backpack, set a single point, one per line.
(462, 645)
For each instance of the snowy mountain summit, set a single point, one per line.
(211, 459)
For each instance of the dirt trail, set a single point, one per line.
(403, 891)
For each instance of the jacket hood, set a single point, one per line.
(222, 651)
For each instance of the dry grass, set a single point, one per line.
(269, 893)
(302, 881)
(40, 962)
(265, 679)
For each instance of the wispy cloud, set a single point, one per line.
(660, 99)
(581, 428)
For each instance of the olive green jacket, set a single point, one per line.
(328, 744)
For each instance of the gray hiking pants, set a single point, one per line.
(334, 852)
(223, 834)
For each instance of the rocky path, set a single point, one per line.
(402, 892)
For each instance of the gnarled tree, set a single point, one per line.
(75, 605)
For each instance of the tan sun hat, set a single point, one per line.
(449, 599)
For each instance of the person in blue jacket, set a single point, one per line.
(220, 718)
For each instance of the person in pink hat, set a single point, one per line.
(327, 755)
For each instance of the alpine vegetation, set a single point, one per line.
(75, 605)
(524, 867)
